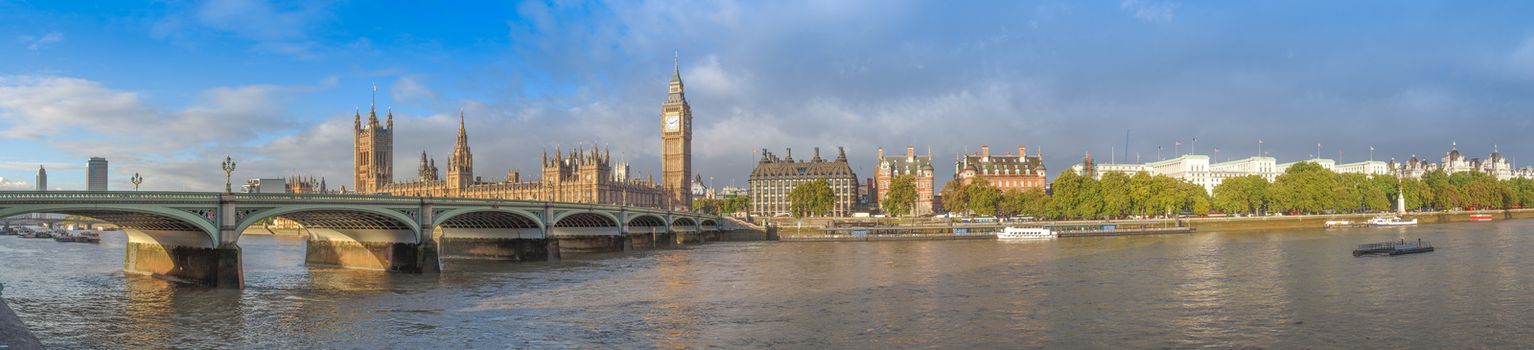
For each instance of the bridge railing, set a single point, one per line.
(215, 196)
(88, 195)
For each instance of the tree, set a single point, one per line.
(707, 206)
(1195, 198)
(1035, 202)
(1305, 187)
(982, 197)
(954, 200)
(901, 196)
(813, 198)
(1114, 191)
(1140, 193)
(1417, 193)
(1165, 198)
(734, 204)
(1242, 194)
(1444, 195)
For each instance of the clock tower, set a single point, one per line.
(676, 143)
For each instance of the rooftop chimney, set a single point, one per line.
(910, 151)
(985, 152)
(1022, 151)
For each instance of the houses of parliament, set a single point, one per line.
(581, 176)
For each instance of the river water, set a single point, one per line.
(1284, 289)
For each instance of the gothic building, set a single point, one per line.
(582, 176)
(676, 143)
(774, 178)
(1453, 162)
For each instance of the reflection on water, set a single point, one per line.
(1298, 289)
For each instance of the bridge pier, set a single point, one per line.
(210, 267)
(368, 250)
(689, 237)
(594, 244)
(654, 240)
(509, 249)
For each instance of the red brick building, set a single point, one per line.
(919, 167)
(1007, 172)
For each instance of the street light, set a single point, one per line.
(136, 179)
(228, 171)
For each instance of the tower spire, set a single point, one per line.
(676, 67)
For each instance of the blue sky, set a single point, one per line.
(167, 88)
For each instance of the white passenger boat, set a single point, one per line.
(1019, 233)
(1391, 221)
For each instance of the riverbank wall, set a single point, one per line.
(817, 234)
(13, 333)
(1317, 221)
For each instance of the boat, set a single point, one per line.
(84, 236)
(1020, 233)
(1338, 223)
(1480, 217)
(1393, 248)
(62, 236)
(1391, 221)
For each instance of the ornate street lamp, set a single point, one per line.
(228, 171)
(136, 179)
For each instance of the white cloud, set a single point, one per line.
(1521, 59)
(37, 42)
(711, 78)
(8, 184)
(274, 27)
(408, 89)
(171, 147)
(1150, 11)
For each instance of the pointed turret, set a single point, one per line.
(357, 120)
(390, 123)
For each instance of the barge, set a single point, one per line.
(1393, 248)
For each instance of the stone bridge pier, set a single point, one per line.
(493, 234)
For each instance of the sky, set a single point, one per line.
(167, 89)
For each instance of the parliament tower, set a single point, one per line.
(374, 145)
(676, 144)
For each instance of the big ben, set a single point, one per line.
(676, 143)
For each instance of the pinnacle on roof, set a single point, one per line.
(676, 67)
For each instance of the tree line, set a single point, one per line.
(1116, 195)
(1304, 188)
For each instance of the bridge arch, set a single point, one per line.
(483, 217)
(684, 221)
(646, 220)
(583, 218)
(399, 226)
(164, 225)
(708, 222)
(585, 223)
(471, 220)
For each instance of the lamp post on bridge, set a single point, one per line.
(136, 180)
(228, 172)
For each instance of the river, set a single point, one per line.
(1283, 289)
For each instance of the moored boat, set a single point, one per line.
(1022, 233)
(1339, 223)
(1391, 221)
(1393, 248)
(1480, 217)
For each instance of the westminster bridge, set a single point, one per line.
(194, 236)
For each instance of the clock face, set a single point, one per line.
(673, 122)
